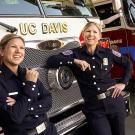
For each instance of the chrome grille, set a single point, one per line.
(61, 98)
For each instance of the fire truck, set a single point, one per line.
(50, 27)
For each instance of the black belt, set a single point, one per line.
(37, 130)
(105, 94)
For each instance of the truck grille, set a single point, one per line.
(62, 99)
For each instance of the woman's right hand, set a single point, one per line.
(82, 64)
(31, 75)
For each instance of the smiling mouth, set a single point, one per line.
(91, 40)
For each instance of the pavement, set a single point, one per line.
(130, 125)
(130, 120)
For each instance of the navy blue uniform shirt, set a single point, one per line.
(32, 102)
(98, 79)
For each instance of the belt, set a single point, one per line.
(37, 130)
(105, 94)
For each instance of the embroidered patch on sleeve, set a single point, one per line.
(67, 52)
(116, 53)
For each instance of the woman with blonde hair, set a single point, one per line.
(91, 64)
(23, 99)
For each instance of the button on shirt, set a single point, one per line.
(32, 100)
(97, 80)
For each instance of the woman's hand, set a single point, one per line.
(82, 64)
(10, 101)
(117, 89)
(31, 75)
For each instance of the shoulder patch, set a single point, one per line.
(67, 52)
(116, 53)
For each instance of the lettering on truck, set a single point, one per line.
(31, 28)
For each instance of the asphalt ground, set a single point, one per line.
(130, 120)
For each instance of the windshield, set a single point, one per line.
(129, 10)
(19, 7)
(68, 8)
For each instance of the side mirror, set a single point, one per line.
(117, 6)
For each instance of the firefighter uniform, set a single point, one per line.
(28, 115)
(103, 112)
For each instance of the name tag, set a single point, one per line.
(13, 93)
(105, 61)
(41, 128)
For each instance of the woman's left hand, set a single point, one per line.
(10, 101)
(117, 89)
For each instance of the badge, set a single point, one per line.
(67, 52)
(105, 61)
(13, 93)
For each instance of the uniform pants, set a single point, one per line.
(110, 124)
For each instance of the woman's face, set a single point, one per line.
(91, 35)
(13, 53)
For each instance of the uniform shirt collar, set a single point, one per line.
(7, 72)
(97, 52)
